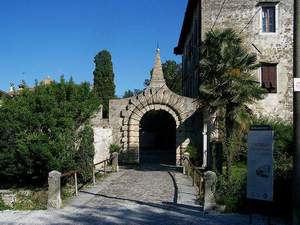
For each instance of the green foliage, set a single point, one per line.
(114, 148)
(2, 205)
(130, 93)
(84, 156)
(227, 86)
(232, 193)
(104, 85)
(283, 163)
(34, 200)
(38, 130)
(283, 134)
(192, 150)
(173, 76)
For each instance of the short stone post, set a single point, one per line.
(186, 156)
(54, 198)
(210, 180)
(115, 161)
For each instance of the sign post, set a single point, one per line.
(260, 165)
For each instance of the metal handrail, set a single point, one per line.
(75, 172)
(196, 173)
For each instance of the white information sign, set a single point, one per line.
(260, 164)
(297, 84)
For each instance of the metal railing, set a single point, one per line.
(196, 173)
(76, 172)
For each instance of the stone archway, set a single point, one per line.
(125, 116)
(132, 142)
(157, 138)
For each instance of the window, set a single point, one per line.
(269, 19)
(269, 77)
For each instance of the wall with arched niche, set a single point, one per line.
(126, 114)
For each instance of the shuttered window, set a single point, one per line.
(268, 19)
(269, 77)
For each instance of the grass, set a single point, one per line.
(2, 205)
(232, 193)
(31, 200)
(68, 190)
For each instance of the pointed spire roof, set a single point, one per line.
(157, 76)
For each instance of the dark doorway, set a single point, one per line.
(158, 138)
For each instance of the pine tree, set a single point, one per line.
(104, 85)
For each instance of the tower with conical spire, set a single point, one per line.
(157, 76)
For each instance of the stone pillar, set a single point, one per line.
(210, 180)
(115, 161)
(186, 156)
(54, 198)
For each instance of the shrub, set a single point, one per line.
(38, 130)
(2, 204)
(283, 135)
(36, 199)
(232, 193)
(192, 150)
(84, 157)
(114, 148)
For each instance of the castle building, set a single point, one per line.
(266, 27)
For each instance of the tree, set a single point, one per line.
(130, 93)
(227, 86)
(173, 76)
(104, 85)
(38, 131)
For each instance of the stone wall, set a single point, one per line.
(115, 120)
(125, 116)
(102, 139)
(244, 16)
(103, 136)
(274, 48)
(123, 127)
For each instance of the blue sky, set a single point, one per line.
(55, 37)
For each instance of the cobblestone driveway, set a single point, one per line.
(132, 197)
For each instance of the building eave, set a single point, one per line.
(188, 19)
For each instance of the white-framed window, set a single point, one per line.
(268, 77)
(269, 18)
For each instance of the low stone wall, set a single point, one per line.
(9, 198)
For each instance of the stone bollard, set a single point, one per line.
(54, 198)
(115, 161)
(210, 180)
(185, 162)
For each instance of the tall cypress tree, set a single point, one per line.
(104, 85)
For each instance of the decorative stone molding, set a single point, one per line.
(126, 114)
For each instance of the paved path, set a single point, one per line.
(132, 196)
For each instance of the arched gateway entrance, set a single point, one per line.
(157, 138)
(156, 125)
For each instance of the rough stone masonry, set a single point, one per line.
(125, 116)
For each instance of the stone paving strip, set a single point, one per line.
(131, 196)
